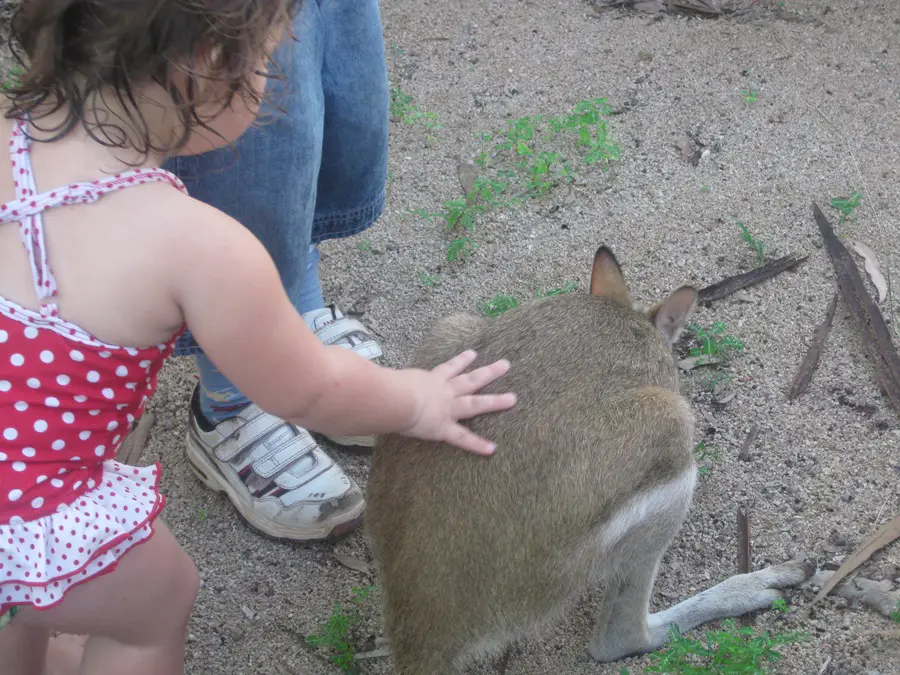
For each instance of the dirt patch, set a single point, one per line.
(782, 112)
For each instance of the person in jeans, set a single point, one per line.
(315, 170)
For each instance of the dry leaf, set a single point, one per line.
(352, 563)
(697, 361)
(723, 392)
(873, 267)
(381, 652)
(886, 534)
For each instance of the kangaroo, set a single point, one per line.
(592, 478)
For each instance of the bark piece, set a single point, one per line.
(868, 318)
(736, 282)
(811, 359)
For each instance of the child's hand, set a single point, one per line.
(446, 395)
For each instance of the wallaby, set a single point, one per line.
(592, 478)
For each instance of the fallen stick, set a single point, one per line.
(732, 284)
(869, 320)
(743, 554)
(811, 358)
(133, 446)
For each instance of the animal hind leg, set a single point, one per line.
(733, 597)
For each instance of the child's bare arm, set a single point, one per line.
(233, 300)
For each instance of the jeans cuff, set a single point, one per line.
(347, 223)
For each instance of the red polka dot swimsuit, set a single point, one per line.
(68, 510)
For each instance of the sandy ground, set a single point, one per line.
(824, 472)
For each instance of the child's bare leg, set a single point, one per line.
(64, 655)
(136, 616)
(23, 649)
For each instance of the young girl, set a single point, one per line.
(117, 260)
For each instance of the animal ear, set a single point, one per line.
(670, 315)
(606, 278)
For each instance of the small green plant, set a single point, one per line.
(203, 514)
(526, 160)
(895, 615)
(780, 605)
(568, 287)
(730, 651)
(461, 248)
(704, 455)
(365, 245)
(334, 634)
(499, 304)
(750, 95)
(847, 206)
(755, 244)
(404, 109)
(428, 280)
(704, 188)
(714, 342)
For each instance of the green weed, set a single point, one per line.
(461, 248)
(428, 280)
(750, 95)
(780, 605)
(527, 160)
(568, 287)
(704, 189)
(365, 245)
(755, 244)
(847, 206)
(730, 651)
(335, 634)
(502, 303)
(895, 615)
(714, 341)
(404, 109)
(499, 304)
(704, 456)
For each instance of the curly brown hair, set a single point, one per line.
(74, 53)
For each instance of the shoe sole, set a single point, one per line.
(208, 474)
(362, 445)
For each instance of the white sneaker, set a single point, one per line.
(333, 328)
(280, 481)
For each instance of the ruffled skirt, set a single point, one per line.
(42, 559)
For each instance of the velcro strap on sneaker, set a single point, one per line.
(284, 455)
(345, 327)
(301, 473)
(259, 425)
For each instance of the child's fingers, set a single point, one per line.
(470, 406)
(466, 440)
(456, 365)
(469, 383)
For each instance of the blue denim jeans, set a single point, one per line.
(318, 169)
